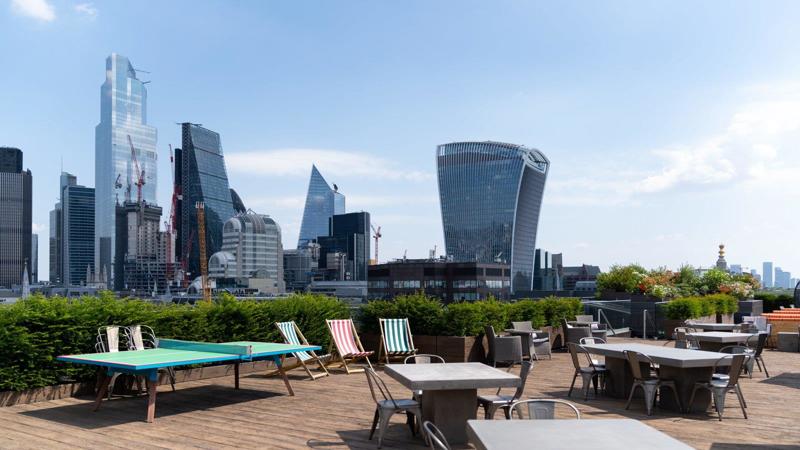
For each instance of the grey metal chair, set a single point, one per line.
(108, 341)
(538, 341)
(594, 340)
(590, 374)
(648, 383)
(142, 337)
(423, 358)
(719, 388)
(756, 348)
(491, 403)
(386, 406)
(506, 349)
(749, 361)
(434, 437)
(541, 409)
(573, 334)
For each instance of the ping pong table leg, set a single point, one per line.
(279, 365)
(152, 388)
(102, 388)
(236, 375)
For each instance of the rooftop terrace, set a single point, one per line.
(336, 412)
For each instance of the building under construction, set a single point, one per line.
(141, 261)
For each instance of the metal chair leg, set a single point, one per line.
(571, 386)
(691, 400)
(742, 403)
(383, 423)
(719, 400)
(630, 396)
(374, 423)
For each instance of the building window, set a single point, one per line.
(496, 284)
(435, 284)
(406, 284)
(378, 284)
(467, 284)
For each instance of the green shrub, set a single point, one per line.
(558, 308)
(694, 307)
(36, 330)
(621, 278)
(683, 309)
(425, 314)
(527, 310)
(774, 301)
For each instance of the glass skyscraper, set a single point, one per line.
(123, 113)
(77, 213)
(322, 203)
(201, 177)
(491, 195)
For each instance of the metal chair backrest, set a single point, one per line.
(760, 341)
(634, 361)
(574, 349)
(424, 358)
(522, 326)
(735, 368)
(541, 409)
(489, 332)
(375, 382)
(435, 437)
(108, 339)
(140, 337)
(523, 375)
(584, 318)
(592, 340)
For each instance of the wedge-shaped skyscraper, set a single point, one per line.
(490, 195)
(322, 202)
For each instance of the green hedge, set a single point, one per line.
(34, 331)
(694, 307)
(774, 302)
(428, 316)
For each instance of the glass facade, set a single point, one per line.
(123, 113)
(322, 203)
(78, 234)
(15, 217)
(349, 236)
(491, 195)
(203, 178)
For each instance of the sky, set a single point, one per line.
(671, 127)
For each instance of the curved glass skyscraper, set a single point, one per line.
(491, 194)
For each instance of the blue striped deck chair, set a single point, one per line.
(292, 335)
(396, 339)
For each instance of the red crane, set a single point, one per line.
(139, 173)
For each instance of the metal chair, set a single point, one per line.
(142, 337)
(108, 341)
(594, 340)
(387, 406)
(541, 409)
(491, 403)
(573, 335)
(424, 358)
(503, 348)
(719, 388)
(434, 436)
(756, 349)
(738, 350)
(650, 385)
(538, 341)
(684, 340)
(589, 374)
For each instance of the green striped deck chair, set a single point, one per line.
(396, 339)
(292, 335)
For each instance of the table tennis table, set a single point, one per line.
(174, 353)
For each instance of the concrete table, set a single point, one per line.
(450, 391)
(685, 367)
(715, 340)
(610, 434)
(713, 326)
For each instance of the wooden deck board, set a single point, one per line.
(336, 412)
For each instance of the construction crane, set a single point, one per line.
(139, 173)
(169, 224)
(376, 235)
(201, 237)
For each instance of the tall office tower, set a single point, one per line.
(123, 113)
(344, 252)
(201, 177)
(141, 249)
(34, 258)
(15, 217)
(56, 232)
(322, 203)
(767, 274)
(251, 250)
(782, 279)
(491, 195)
(77, 228)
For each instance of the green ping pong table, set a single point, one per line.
(174, 353)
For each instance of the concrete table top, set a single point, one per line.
(721, 337)
(713, 326)
(597, 434)
(450, 376)
(665, 356)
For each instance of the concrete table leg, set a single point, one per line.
(449, 410)
(684, 380)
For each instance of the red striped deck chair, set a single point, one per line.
(345, 341)
(396, 339)
(292, 335)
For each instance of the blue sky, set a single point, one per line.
(671, 126)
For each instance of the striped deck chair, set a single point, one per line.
(292, 335)
(348, 346)
(396, 339)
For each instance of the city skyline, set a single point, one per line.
(634, 168)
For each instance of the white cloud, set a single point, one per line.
(332, 163)
(36, 9)
(39, 228)
(87, 9)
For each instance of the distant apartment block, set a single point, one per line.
(767, 274)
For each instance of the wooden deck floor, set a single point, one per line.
(336, 412)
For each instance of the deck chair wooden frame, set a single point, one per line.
(345, 341)
(402, 346)
(292, 335)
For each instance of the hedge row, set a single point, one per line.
(428, 316)
(34, 331)
(774, 302)
(694, 307)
